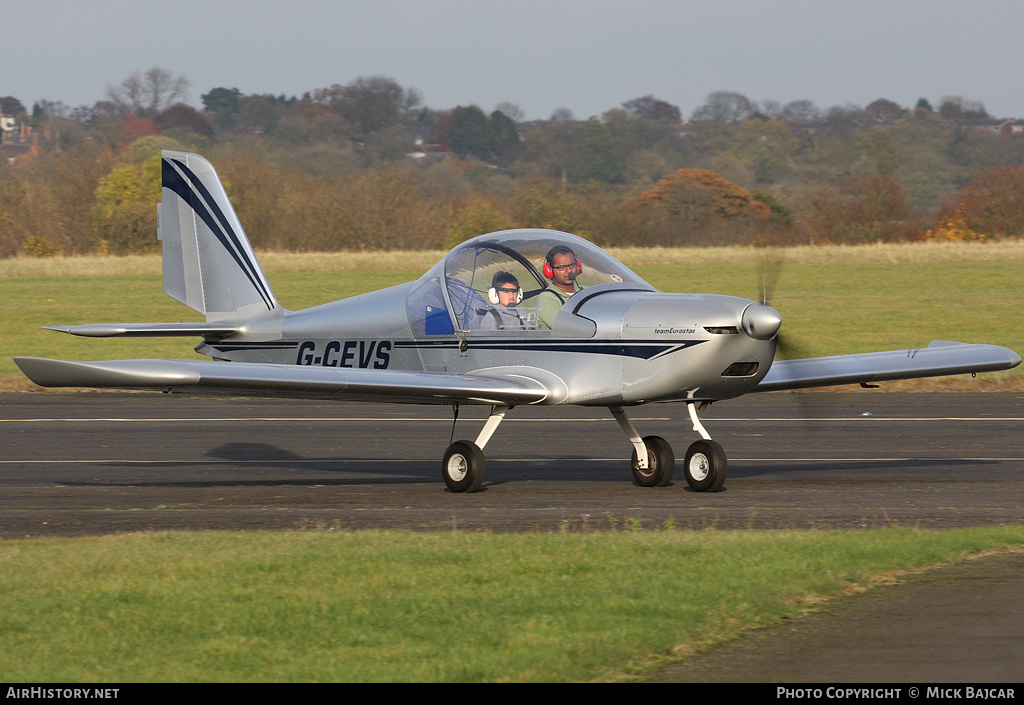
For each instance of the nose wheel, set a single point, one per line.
(705, 466)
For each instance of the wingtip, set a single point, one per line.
(125, 374)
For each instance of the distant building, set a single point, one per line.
(15, 140)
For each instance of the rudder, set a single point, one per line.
(208, 263)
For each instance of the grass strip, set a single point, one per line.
(386, 606)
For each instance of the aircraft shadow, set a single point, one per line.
(786, 467)
(269, 459)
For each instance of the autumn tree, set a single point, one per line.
(700, 195)
(990, 207)
(863, 209)
(695, 206)
(125, 210)
(183, 118)
(883, 110)
(124, 214)
(478, 216)
(45, 202)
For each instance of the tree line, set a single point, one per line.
(367, 166)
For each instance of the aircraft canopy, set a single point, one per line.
(454, 295)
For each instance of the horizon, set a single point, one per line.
(591, 55)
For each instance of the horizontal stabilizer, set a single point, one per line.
(384, 385)
(115, 330)
(940, 358)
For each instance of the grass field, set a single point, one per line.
(444, 607)
(833, 300)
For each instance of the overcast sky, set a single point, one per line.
(584, 55)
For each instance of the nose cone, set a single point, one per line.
(760, 321)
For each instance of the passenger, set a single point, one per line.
(505, 290)
(562, 268)
(504, 294)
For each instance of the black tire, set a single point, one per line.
(463, 467)
(661, 462)
(706, 466)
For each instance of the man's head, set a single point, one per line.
(562, 267)
(505, 290)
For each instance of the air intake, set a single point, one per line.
(741, 369)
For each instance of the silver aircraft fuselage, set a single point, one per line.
(614, 344)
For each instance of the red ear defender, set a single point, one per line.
(550, 274)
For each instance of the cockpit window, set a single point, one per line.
(473, 274)
(476, 274)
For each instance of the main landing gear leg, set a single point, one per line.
(464, 465)
(653, 459)
(705, 464)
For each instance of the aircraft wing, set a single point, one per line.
(380, 385)
(941, 357)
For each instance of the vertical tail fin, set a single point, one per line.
(208, 262)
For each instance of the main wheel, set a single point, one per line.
(463, 467)
(706, 466)
(661, 462)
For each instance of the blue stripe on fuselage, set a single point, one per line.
(642, 349)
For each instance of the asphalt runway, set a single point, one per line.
(94, 463)
(98, 463)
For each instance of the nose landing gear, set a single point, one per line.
(705, 466)
(705, 463)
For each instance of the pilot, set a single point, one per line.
(562, 268)
(504, 294)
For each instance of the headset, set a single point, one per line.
(550, 273)
(492, 295)
(500, 279)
